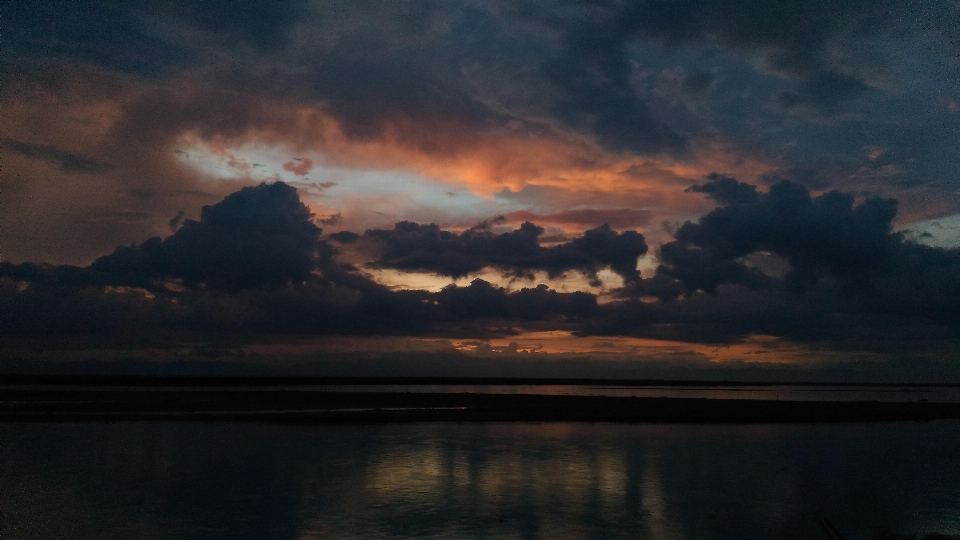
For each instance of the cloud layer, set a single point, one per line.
(745, 168)
(628, 99)
(779, 263)
(410, 246)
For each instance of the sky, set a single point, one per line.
(696, 183)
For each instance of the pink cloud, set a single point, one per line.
(299, 166)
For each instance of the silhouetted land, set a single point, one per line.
(219, 381)
(32, 398)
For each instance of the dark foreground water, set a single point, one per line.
(768, 392)
(448, 480)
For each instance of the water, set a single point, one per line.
(494, 480)
(946, 394)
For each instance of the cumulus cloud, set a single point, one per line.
(255, 237)
(786, 263)
(726, 190)
(555, 111)
(486, 97)
(411, 246)
(820, 235)
(254, 263)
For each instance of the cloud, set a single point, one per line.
(253, 264)
(617, 218)
(593, 76)
(260, 22)
(555, 111)
(176, 220)
(795, 34)
(726, 190)
(122, 217)
(790, 264)
(485, 98)
(299, 166)
(824, 92)
(414, 247)
(698, 82)
(817, 235)
(259, 236)
(849, 282)
(67, 162)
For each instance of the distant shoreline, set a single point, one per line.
(216, 381)
(95, 399)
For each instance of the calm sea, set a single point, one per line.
(495, 480)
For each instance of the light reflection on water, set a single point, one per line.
(481, 480)
(949, 394)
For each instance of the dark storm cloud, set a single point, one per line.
(795, 33)
(128, 35)
(411, 246)
(788, 264)
(798, 175)
(433, 77)
(369, 94)
(849, 281)
(816, 235)
(67, 162)
(480, 299)
(107, 33)
(593, 72)
(595, 66)
(259, 236)
(253, 263)
(726, 190)
(344, 237)
(354, 306)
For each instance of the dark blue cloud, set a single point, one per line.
(257, 237)
(254, 265)
(843, 270)
(411, 246)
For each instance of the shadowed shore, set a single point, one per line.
(59, 399)
(220, 381)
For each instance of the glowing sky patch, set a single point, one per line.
(364, 197)
(350, 198)
(939, 232)
(570, 282)
(756, 348)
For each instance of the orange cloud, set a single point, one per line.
(488, 162)
(138, 128)
(299, 166)
(755, 348)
